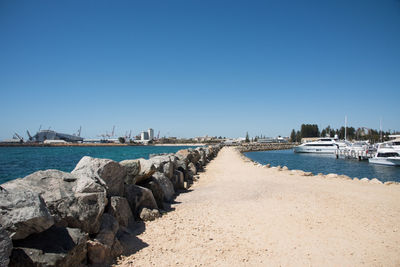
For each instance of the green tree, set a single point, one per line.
(247, 138)
(309, 130)
(293, 136)
(121, 140)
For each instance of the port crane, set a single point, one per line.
(17, 136)
(78, 133)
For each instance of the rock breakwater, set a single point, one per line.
(251, 147)
(55, 218)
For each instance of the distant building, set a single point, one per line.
(150, 133)
(44, 135)
(144, 136)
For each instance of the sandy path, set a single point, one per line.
(242, 215)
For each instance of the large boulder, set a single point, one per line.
(149, 215)
(5, 247)
(120, 209)
(103, 170)
(166, 186)
(139, 197)
(184, 154)
(159, 161)
(156, 190)
(23, 212)
(168, 169)
(203, 158)
(178, 180)
(57, 246)
(192, 168)
(147, 169)
(74, 202)
(105, 247)
(132, 167)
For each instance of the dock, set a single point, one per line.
(354, 154)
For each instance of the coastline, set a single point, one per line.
(241, 213)
(323, 170)
(94, 145)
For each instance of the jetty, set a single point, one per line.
(354, 154)
(241, 213)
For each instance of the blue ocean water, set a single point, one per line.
(16, 162)
(326, 164)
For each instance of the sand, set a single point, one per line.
(239, 214)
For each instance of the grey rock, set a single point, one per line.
(168, 169)
(132, 168)
(6, 246)
(56, 246)
(184, 154)
(192, 168)
(139, 197)
(74, 202)
(103, 170)
(120, 209)
(147, 169)
(108, 229)
(375, 181)
(178, 180)
(105, 247)
(166, 186)
(156, 190)
(23, 212)
(149, 215)
(100, 254)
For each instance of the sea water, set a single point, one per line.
(16, 162)
(317, 163)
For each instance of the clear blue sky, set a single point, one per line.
(191, 68)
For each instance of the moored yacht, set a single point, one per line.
(326, 145)
(395, 144)
(386, 155)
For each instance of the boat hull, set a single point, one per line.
(317, 150)
(394, 161)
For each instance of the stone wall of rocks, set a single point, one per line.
(55, 218)
(250, 147)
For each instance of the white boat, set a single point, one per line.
(386, 155)
(395, 144)
(326, 145)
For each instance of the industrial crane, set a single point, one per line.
(17, 136)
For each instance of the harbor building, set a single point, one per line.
(144, 136)
(150, 132)
(48, 135)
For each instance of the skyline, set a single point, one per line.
(191, 68)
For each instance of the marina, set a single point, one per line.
(326, 164)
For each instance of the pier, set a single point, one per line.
(354, 154)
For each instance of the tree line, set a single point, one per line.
(362, 133)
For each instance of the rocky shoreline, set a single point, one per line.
(87, 217)
(303, 173)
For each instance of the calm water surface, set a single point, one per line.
(326, 164)
(18, 162)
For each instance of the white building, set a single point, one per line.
(144, 136)
(150, 133)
